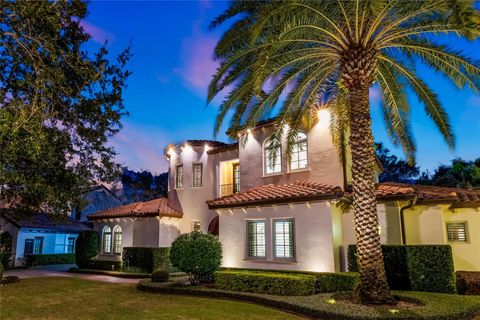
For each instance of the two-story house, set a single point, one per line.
(271, 211)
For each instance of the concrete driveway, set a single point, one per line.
(62, 271)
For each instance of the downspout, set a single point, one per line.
(402, 218)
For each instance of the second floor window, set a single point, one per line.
(299, 159)
(179, 177)
(197, 174)
(272, 155)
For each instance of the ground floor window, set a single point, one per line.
(38, 245)
(457, 231)
(28, 247)
(283, 239)
(107, 240)
(117, 240)
(256, 239)
(71, 245)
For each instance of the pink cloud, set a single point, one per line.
(98, 34)
(141, 147)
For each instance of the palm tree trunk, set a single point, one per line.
(373, 287)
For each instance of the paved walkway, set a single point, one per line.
(62, 271)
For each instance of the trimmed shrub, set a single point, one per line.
(160, 275)
(411, 267)
(86, 248)
(110, 265)
(430, 268)
(1, 271)
(198, 254)
(43, 259)
(275, 283)
(146, 259)
(5, 258)
(468, 282)
(336, 282)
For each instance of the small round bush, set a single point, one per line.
(198, 254)
(86, 247)
(160, 275)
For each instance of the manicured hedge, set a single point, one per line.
(5, 258)
(415, 267)
(110, 265)
(468, 282)
(44, 259)
(146, 259)
(273, 283)
(336, 282)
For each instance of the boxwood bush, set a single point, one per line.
(274, 283)
(336, 282)
(143, 259)
(160, 275)
(415, 267)
(198, 254)
(44, 259)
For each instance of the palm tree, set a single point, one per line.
(294, 56)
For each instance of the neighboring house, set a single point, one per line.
(275, 212)
(39, 234)
(98, 198)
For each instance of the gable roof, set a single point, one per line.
(51, 222)
(298, 191)
(304, 191)
(153, 208)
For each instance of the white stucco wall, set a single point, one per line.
(314, 235)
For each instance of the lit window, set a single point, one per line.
(71, 245)
(299, 156)
(38, 245)
(107, 240)
(179, 177)
(196, 226)
(283, 239)
(272, 156)
(256, 239)
(117, 240)
(197, 174)
(457, 232)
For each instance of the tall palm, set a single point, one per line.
(293, 56)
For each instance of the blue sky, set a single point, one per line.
(172, 65)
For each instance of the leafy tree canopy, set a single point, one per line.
(460, 174)
(59, 104)
(394, 169)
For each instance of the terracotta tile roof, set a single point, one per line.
(387, 191)
(44, 221)
(281, 193)
(227, 147)
(152, 208)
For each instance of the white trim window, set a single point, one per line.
(283, 239)
(196, 226)
(457, 231)
(299, 156)
(117, 240)
(179, 176)
(272, 156)
(107, 240)
(197, 174)
(256, 239)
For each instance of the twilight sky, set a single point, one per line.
(172, 65)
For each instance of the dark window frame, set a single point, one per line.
(255, 245)
(292, 238)
(197, 182)
(179, 176)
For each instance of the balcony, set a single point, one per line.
(228, 189)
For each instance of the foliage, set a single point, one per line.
(394, 170)
(336, 282)
(44, 259)
(418, 268)
(275, 283)
(5, 258)
(86, 247)
(5, 242)
(108, 265)
(143, 186)
(198, 254)
(160, 275)
(146, 259)
(1, 270)
(59, 105)
(468, 282)
(460, 174)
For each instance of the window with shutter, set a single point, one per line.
(457, 232)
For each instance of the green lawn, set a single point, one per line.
(70, 298)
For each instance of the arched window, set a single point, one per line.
(299, 156)
(272, 156)
(107, 239)
(117, 240)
